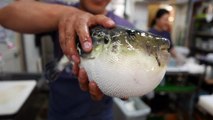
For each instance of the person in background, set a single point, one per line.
(160, 26)
(68, 100)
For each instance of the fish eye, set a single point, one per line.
(106, 40)
(130, 32)
(164, 48)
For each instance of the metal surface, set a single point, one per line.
(19, 76)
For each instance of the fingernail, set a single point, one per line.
(92, 82)
(110, 22)
(87, 46)
(93, 85)
(75, 58)
(124, 98)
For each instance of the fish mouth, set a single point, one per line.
(163, 55)
(164, 47)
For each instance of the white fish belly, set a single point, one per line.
(123, 75)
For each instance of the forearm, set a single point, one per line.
(33, 17)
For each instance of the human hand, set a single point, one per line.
(71, 25)
(78, 24)
(91, 86)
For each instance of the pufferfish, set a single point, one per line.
(125, 62)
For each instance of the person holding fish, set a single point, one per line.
(64, 22)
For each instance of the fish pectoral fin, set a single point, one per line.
(157, 59)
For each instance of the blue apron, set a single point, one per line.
(69, 102)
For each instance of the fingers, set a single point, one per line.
(83, 29)
(95, 92)
(102, 20)
(85, 85)
(67, 38)
(70, 46)
(70, 26)
(71, 43)
(83, 34)
(124, 98)
(75, 69)
(83, 80)
(62, 41)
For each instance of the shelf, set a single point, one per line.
(204, 34)
(202, 50)
(203, 60)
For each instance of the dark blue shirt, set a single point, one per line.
(67, 101)
(164, 34)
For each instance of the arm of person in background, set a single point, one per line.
(36, 17)
(179, 58)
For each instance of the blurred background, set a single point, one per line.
(185, 93)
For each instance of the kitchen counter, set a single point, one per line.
(14, 94)
(206, 103)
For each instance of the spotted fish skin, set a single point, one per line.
(127, 41)
(125, 62)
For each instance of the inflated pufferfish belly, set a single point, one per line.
(125, 62)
